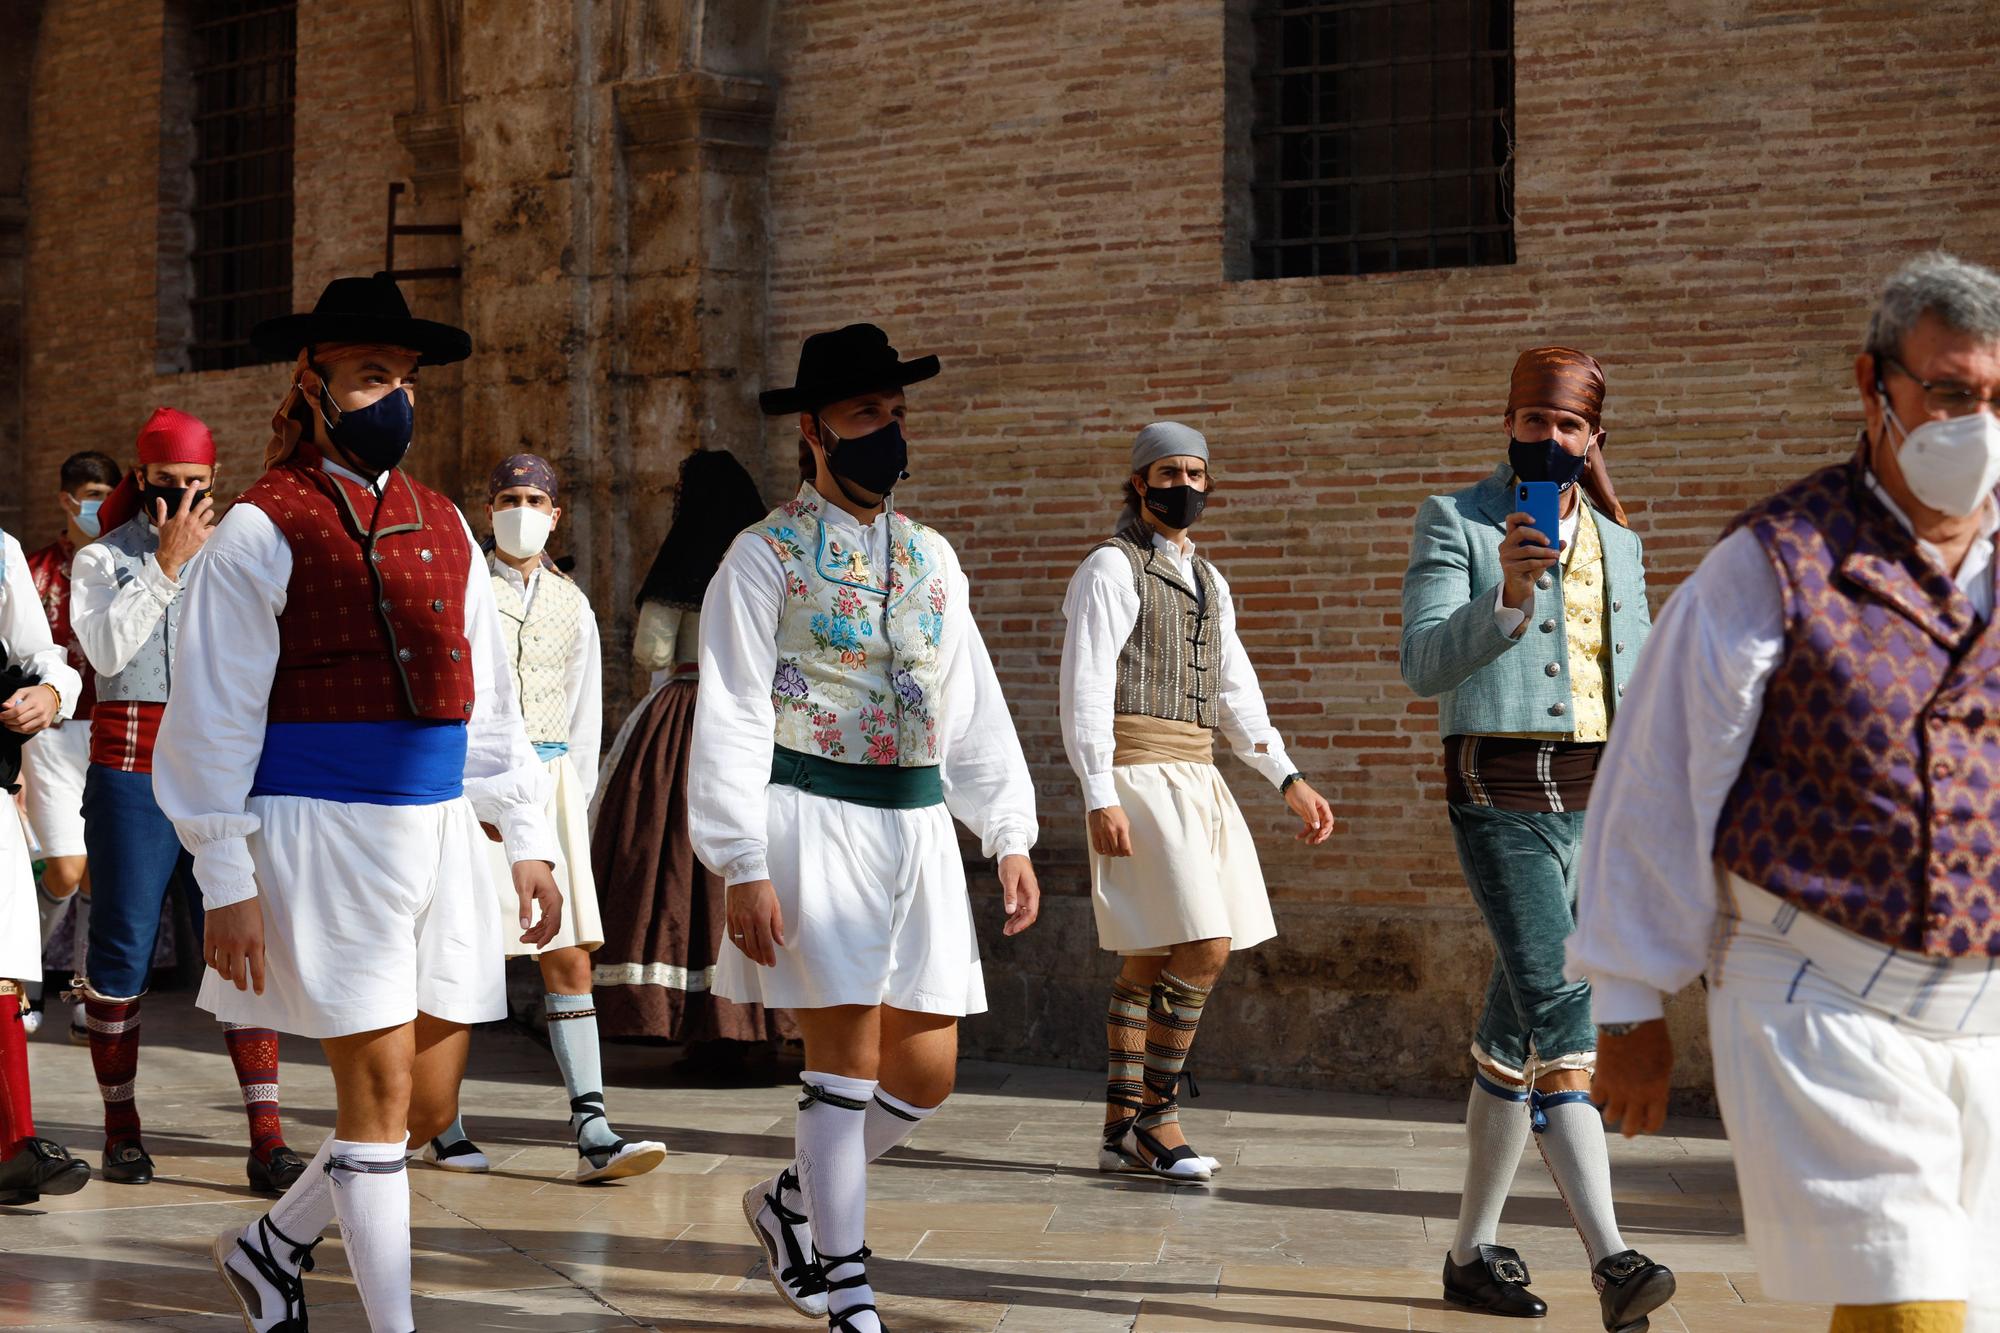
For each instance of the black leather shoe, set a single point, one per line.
(127, 1164)
(41, 1167)
(275, 1176)
(1629, 1287)
(1495, 1283)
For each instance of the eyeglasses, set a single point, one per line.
(1948, 396)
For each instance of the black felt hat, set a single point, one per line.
(845, 363)
(362, 310)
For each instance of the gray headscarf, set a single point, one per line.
(1162, 439)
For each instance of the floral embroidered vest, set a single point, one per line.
(859, 672)
(1871, 794)
(538, 640)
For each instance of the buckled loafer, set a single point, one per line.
(127, 1164)
(41, 1167)
(1496, 1283)
(275, 1176)
(1629, 1287)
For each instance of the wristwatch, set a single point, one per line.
(1618, 1029)
(1286, 785)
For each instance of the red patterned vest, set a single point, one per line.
(50, 569)
(373, 629)
(1871, 795)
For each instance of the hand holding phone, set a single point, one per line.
(1533, 542)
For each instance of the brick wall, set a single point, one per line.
(1707, 194)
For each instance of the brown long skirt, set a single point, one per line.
(663, 910)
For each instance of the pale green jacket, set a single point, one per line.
(1484, 681)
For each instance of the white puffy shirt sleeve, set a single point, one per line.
(1241, 714)
(1646, 881)
(735, 725)
(583, 686)
(113, 622)
(1100, 608)
(212, 732)
(986, 782)
(505, 780)
(24, 627)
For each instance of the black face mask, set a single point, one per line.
(875, 462)
(1178, 507)
(150, 496)
(376, 436)
(1546, 460)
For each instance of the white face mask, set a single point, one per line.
(522, 532)
(1951, 465)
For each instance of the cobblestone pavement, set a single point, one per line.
(1330, 1216)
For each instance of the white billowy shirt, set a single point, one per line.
(1102, 607)
(112, 621)
(985, 775)
(1647, 888)
(24, 629)
(583, 674)
(212, 734)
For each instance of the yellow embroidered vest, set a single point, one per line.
(538, 643)
(1583, 634)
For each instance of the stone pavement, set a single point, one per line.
(1330, 1216)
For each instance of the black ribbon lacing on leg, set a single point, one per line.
(590, 1106)
(288, 1284)
(841, 1322)
(801, 1272)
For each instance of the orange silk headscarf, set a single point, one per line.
(306, 386)
(1564, 378)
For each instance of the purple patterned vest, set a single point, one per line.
(1871, 795)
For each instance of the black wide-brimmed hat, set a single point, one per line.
(362, 310)
(845, 363)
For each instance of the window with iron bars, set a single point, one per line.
(1381, 136)
(242, 63)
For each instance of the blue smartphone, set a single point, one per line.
(1542, 501)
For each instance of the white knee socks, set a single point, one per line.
(890, 1120)
(305, 1210)
(1496, 1130)
(1571, 1137)
(833, 1175)
(371, 1196)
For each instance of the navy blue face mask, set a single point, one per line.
(376, 436)
(1545, 460)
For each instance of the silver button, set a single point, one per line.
(1617, 647)
(1542, 582)
(1552, 669)
(1557, 710)
(376, 556)
(385, 606)
(1621, 691)
(1618, 606)
(1549, 626)
(404, 654)
(456, 655)
(438, 605)
(465, 708)
(425, 555)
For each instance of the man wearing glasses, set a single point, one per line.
(1803, 803)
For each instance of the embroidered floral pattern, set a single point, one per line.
(860, 667)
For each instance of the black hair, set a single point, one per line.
(716, 501)
(80, 470)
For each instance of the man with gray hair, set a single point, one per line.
(1151, 668)
(1803, 803)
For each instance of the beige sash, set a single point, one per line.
(1156, 740)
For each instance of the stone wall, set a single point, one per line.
(1040, 192)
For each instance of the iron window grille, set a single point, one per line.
(1381, 136)
(242, 61)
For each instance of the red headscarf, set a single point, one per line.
(169, 436)
(1572, 381)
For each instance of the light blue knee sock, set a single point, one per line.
(573, 1034)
